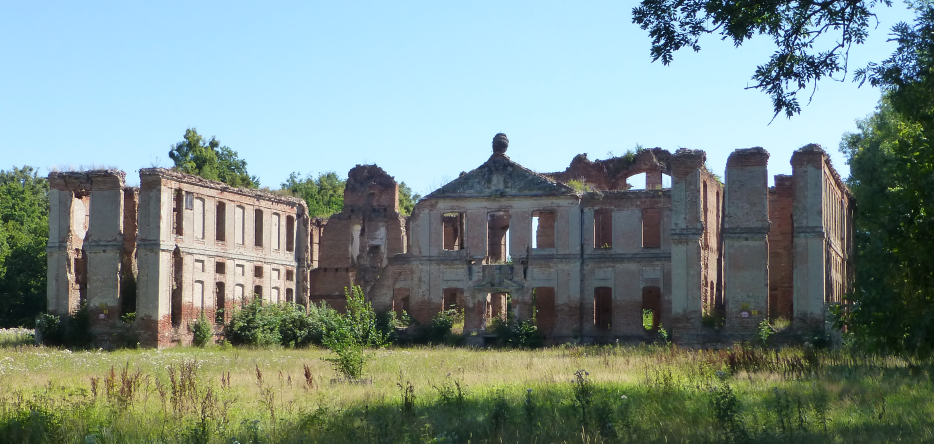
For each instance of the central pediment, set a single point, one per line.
(500, 177)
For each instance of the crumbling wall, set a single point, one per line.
(355, 244)
(745, 242)
(823, 233)
(611, 174)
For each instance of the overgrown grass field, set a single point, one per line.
(574, 394)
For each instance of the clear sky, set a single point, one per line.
(419, 88)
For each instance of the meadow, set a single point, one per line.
(573, 394)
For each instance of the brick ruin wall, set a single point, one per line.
(740, 251)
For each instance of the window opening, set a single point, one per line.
(543, 300)
(189, 200)
(651, 307)
(498, 235)
(453, 225)
(220, 302)
(178, 228)
(603, 228)
(651, 228)
(220, 218)
(275, 231)
(289, 233)
(603, 308)
(274, 295)
(197, 296)
(543, 226)
(400, 300)
(177, 269)
(258, 228)
(258, 271)
(241, 270)
(497, 307)
(220, 267)
(289, 295)
(199, 265)
(258, 292)
(290, 275)
(453, 299)
(238, 293)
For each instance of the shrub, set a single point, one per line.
(202, 332)
(518, 334)
(349, 358)
(73, 330)
(255, 324)
(438, 331)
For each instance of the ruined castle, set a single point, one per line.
(578, 250)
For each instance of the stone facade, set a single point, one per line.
(578, 250)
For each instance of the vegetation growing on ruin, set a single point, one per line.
(210, 160)
(571, 394)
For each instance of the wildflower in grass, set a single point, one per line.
(623, 397)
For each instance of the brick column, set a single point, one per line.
(686, 230)
(745, 242)
(104, 246)
(154, 247)
(807, 166)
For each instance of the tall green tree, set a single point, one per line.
(407, 199)
(24, 233)
(812, 39)
(210, 160)
(891, 160)
(324, 194)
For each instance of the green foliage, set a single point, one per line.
(764, 332)
(255, 324)
(801, 57)
(24, 233)
(407, 199)
(324, 194)
(648, 319)
(438, 331)
(356, 329)
(202, 331)
(72, 331)
(211, 161)
(579, 186)
(517, 334)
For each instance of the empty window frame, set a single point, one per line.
(258, 228)
(199, 218)
(651, 307)
(603, 228)
(258, 271)
(453, 225)
(452, 299)
(220, 302)
(189, 200)
(290, 275)
(220, 267)
(275, 231)
(603, 308)
(290, 233)
(220, 219)
(498, 236)
(651, 228)
(543, 300)
(543, 228)
(258, 292)
(178, 271)
(179, 227)
(239, 217)
(289, 295)
(400, 300)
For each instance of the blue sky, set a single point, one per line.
(419, 88)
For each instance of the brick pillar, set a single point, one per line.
(59, 295)
(781, 200)
(807, 166)
(686, 230)
(154, 246)
(104, 246)
(745, 242)
(653, 180)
